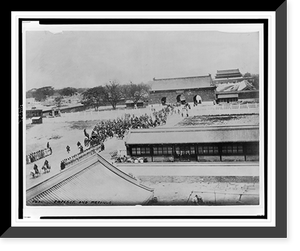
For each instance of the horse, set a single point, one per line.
(34, 173)
(46, 168)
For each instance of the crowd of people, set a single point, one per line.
(32, 157)
(108, 129)
(120, 126)
(117, 128)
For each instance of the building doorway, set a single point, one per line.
(197, 99)
(163, 100)
(180, 99)
(185, 153)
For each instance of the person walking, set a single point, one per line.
(68, 149)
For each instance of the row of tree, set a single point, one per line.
(42, 93)
(111, 93)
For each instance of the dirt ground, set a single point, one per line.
(214, 190)
(236, 119)
(68, 130)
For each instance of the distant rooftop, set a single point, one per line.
(231, 73)
(180, 83)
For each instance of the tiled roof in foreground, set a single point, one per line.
(92, 182)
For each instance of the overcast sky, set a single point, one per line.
(92, 58)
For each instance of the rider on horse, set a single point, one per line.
(35, 168)
(86, 134)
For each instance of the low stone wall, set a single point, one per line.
(162, 159)
(208, 158)
(252, 158)
(233, 158)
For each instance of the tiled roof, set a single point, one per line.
(181, 83)
(212, 134)
(93, 181)
(228, 73)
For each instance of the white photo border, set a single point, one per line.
(270, 221)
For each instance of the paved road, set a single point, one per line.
(192, 169)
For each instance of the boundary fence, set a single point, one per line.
(221, 198)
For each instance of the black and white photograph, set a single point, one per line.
(168, 128)
(148, 124)
(149, 115)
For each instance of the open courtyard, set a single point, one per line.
(173, 183)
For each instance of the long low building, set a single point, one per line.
(233, 96)
(214, 143)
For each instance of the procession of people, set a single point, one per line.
(119, 127)
(107, 129)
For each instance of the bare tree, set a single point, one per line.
(113, 93)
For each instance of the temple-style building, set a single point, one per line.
(231, 86)
(229, 76)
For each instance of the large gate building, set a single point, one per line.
(173, 90)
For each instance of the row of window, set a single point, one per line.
(140, 150)
(191, 150)
(227, 100)
(162, 150)
(232, 149)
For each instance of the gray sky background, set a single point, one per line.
(92, 58)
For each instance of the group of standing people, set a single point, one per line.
(120, 126)
(32, 157)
